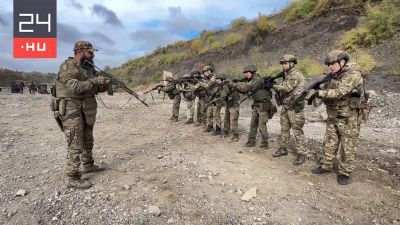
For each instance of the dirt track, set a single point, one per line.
(176, 174)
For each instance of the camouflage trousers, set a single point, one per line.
(201, 110)
(231, 120)
(190, 109)
(259, 119)
(175, 105)
(214, 115)
(295, 121)
(79, 137)
(341, 134)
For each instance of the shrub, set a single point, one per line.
(382, 22)
(171, 58)
(364, 60)
(238, 22)
(309, 67)
(204, 50)
(195, 45)
(232, 39)
(271, 70)
(205, 34)
(215, 45)
(299, 9)
(156, 77)
(211, 39)
(262, 27)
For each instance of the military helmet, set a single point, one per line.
(84, 45)
(336, 56)
(288, 58)
(195, 71)
(250, 68)
(207, 68)
(221, 76)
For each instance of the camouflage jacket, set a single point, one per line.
(208, 85)
(170, 89)
(186, 90)
(337, 94)
(229, 97)
(292, 85)
(259, 96)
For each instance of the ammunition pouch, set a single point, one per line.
(298, 107)
(272, 111)
(171, 96)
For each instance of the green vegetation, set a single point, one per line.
(238, 22)
(382, 22)
(299, 9)
(271, 70)
(172, 58)
(364, 60)
(309, 67)
(232, 39)
(195, 45)
(262, 27)
(7, 76)
(204, 50)
(215, 45)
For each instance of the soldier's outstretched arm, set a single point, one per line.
(349, 82)
(286, 86)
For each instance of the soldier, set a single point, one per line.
(76, 87)
(21, 86)
(342, 96)
(201, 95)
(231, 98)
(292, 85)
(216, 104)
(32, 88)
(208, 84)
(263, 109)
(189, 96)
(173, 94)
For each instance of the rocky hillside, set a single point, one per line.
(368, 30)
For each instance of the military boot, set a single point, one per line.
(92, 168)
(175, 119)
(280, 152)
(235, 138)
(250, 143)
(172, 118)
(319, 170)
(189, 121)
(217, 131)
(264, 145)
(342, 179)
(300, 159)
(197, 124)
(225, 134)
(78, 183)
(209, 129)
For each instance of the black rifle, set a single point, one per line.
(315, 85)
(116, 82)
(267, 84)
(154, 88)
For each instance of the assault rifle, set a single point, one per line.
(192, 80)
(154, 88)
(115, 81)
(267, 84)
(315, 85)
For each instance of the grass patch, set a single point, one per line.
(172, 58)
(205, 49)
(262, 27)
(299, 9)
(382, 22)
(215, 45)
(232, 39)
(310, 68)
(366, 62)
(238, 22)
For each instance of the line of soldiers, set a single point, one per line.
(345, 110)
(75, 108)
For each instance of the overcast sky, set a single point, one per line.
(126, 29)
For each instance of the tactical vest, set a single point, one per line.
(262, 94)
(80, 74)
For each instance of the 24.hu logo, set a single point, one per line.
(35, 29)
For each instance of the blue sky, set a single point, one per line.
(126, 29)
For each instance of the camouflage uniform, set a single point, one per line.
(201, 95)
(292, 85)
(231, 98)
(76, 88)
(189, 96)
(342, 125)
(263, 109)
(174, 95)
